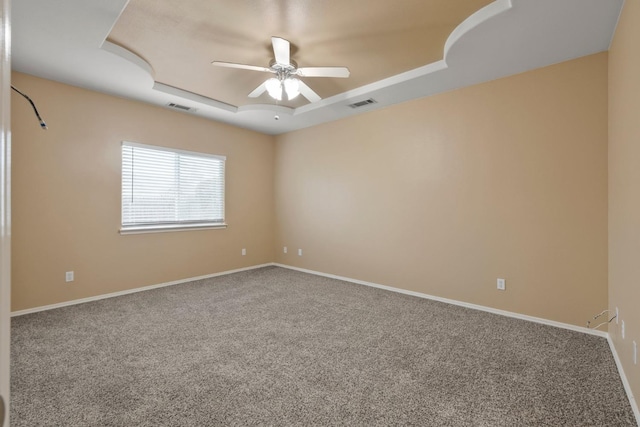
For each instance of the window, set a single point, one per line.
(169, 189)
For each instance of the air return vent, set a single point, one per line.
(180, 107)
(363, 103)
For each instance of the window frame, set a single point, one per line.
(159, 227)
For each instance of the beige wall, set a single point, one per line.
(66, 196)
(445, 194)
(624, 187)
(440, 195)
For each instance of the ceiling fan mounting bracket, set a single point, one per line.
(290, 69)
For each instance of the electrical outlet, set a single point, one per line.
(622, 329)
(285, 250)
(68, 276)
(502, 285)
(299, 252)
(617, 316)
(244, 251)
(635, 353)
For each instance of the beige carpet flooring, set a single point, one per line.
(276, 347)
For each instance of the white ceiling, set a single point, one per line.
(65, 40)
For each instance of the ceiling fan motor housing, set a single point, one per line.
(285, 70)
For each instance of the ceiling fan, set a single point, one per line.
(286, 70)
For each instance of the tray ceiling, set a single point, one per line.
(375, 41)
(160, 51)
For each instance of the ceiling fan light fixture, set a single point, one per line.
(285, 69)
(274, 87)
(292, 87)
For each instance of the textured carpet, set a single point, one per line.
(279, 347)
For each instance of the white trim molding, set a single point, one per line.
(5, 207)
(625, 381)
(332, 276)
(455, 302)
(133, 291)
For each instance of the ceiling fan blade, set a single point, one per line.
(307, 92)
(281, 50)
(342, 72)
(241, 66)
(258, 91)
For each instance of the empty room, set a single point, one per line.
(320, 212)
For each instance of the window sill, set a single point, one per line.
(167, 228)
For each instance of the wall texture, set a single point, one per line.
(66, 196)
(624, 187)
(445, 194)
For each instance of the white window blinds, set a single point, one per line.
(168, 188)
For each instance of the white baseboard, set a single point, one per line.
(318, 273)
(132, 291)
(456, 302)
(332, 276)
(625, 381)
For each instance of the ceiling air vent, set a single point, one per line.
(180, 107)
(363, 103)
